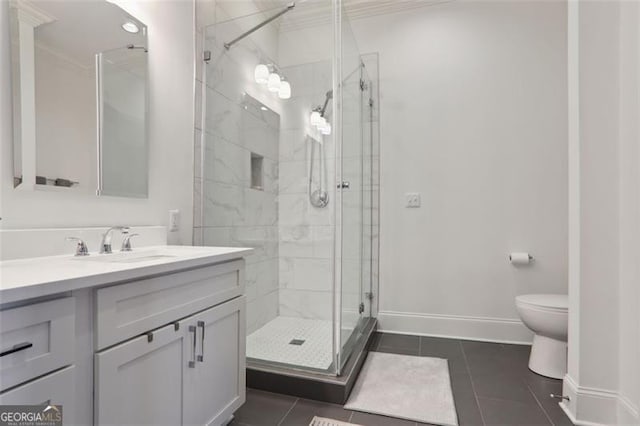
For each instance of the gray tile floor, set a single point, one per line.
(491, 386)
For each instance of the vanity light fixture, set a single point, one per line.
(319, 122)
(285, 90)
(261, 74)
(130, 27)
(268, 74)
(274, 82)
(315, 118)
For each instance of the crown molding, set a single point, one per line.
(317, 13)
(31, 14)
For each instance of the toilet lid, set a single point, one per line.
(556, 301)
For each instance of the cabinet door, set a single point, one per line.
(140, 381)
(53, 389)
(215, 387)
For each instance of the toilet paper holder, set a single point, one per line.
(530, 257)
(520, 259)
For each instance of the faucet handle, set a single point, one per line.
(126, 242)
(81, 248)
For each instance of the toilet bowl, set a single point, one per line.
(547, 316)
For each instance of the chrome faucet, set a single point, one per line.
(81, 247)
(126, 241)
(105, 244)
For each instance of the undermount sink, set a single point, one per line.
(126, 257)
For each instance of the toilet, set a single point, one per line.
(547, 316)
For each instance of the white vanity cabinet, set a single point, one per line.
(56, 389)
(155, 336)
(36, 355)
(140, 382)
(215, 387)
(190, 371)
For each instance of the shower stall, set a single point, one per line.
(286, 156)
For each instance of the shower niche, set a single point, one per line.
(256, 171)
(302, 191)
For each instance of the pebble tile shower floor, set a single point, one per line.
(491, 386)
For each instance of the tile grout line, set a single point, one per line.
(540, 405)
(473, 386)
(288, 411)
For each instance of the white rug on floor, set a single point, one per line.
(407, 387)
(323, 421)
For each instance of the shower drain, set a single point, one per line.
(296, 342)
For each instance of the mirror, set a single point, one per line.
(79, 86)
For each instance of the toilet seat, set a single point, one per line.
(544, 302)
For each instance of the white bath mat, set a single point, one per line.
(407, 387)
(323, 421)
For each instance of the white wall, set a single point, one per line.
(629, 155)
(171, 41)
(473, 116)
(603, 381)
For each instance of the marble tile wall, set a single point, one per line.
(239, 120)
(306, 233)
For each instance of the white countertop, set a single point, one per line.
(42, 276)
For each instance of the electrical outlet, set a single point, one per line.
(412, 199)
(174, 220)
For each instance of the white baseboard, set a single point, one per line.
(503, 330)
(628, 412)
(597, 407)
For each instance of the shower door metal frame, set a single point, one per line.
(337, 229)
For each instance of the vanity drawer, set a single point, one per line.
(127, 310)
(53, 389)
(36, 339)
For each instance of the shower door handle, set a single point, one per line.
(344, 185)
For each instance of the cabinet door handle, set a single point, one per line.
(201, 356)
(192, 363)
(17, 348)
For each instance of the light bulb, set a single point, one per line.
(315, 118)
(130, 27)
(326, 129)
(274, 82)
(285, 90)
(261, 74)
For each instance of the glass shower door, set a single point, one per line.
(350, 185)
